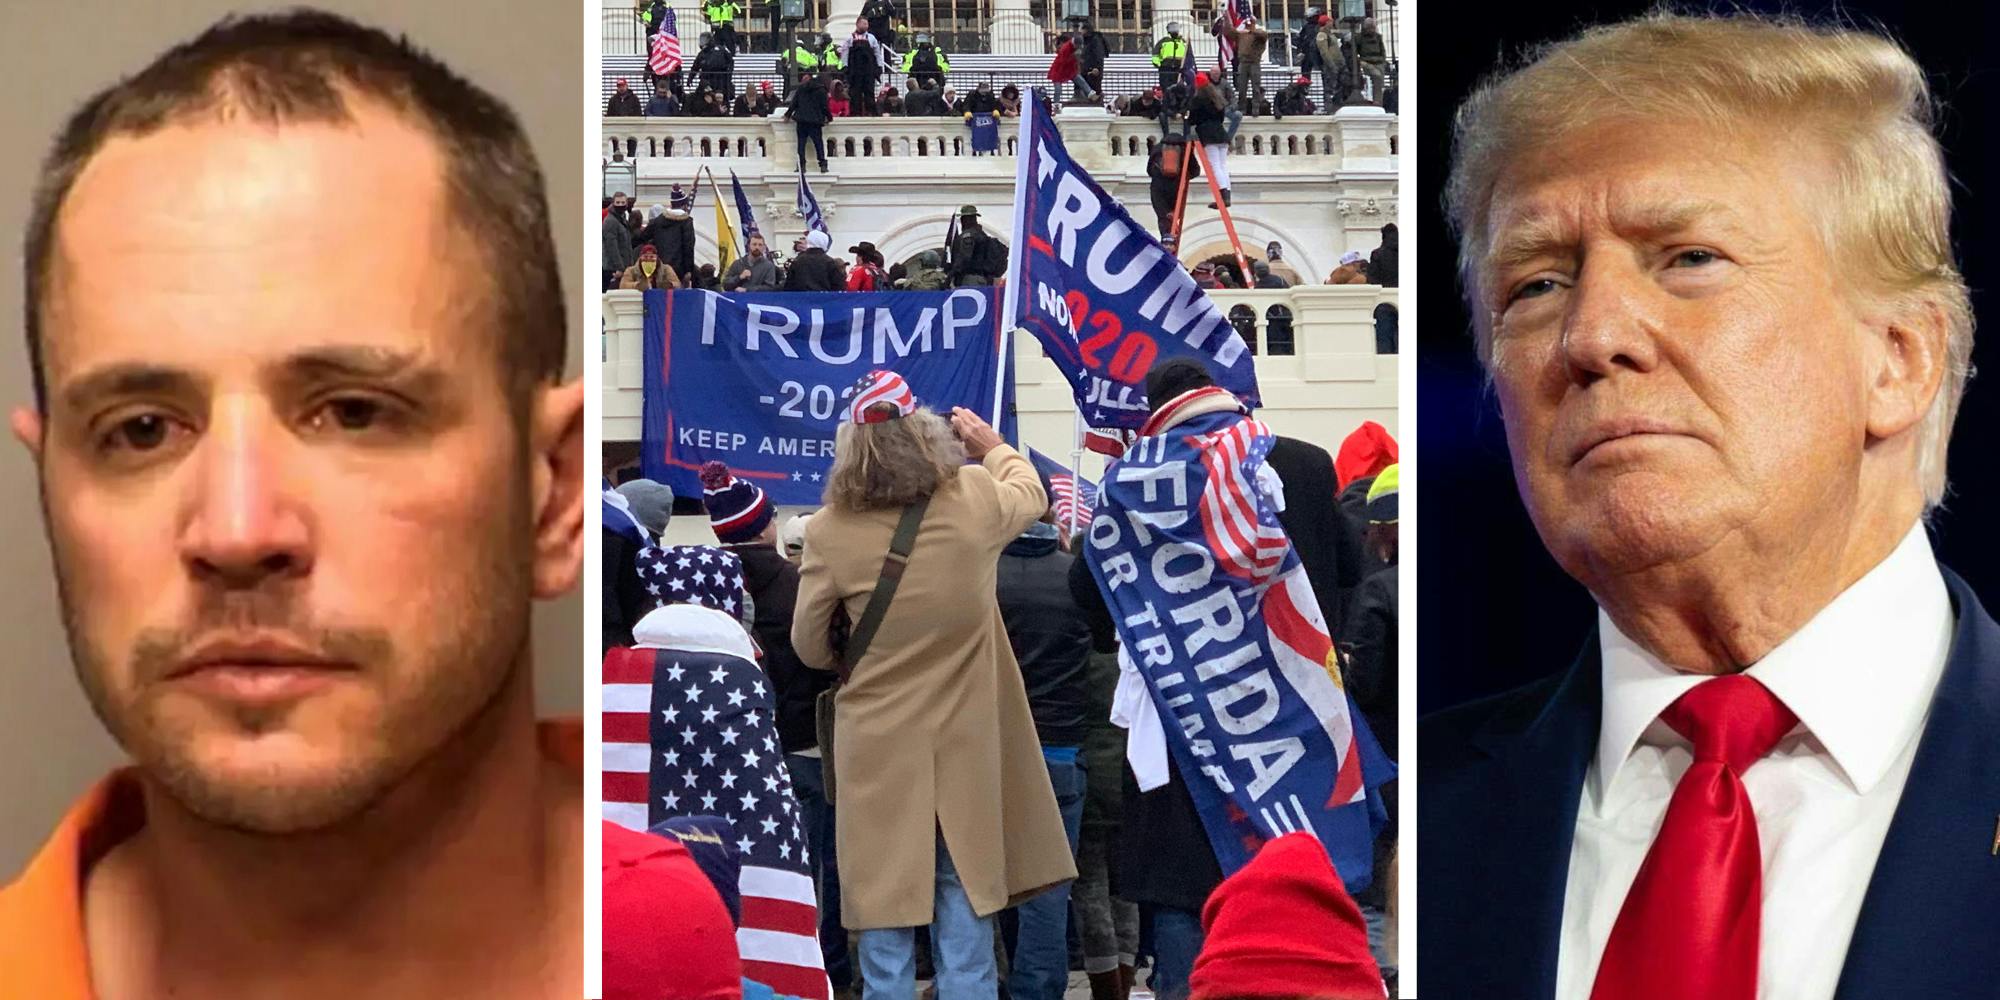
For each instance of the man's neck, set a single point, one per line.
(1721, 611)
(461, 881)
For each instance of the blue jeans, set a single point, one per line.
(1041, 952)
(810, 788)
(961, 947)
(1176, 941)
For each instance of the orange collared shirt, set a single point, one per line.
(41, 914)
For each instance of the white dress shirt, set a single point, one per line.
(1859, 676)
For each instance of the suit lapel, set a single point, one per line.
(1930, 916)
(1536, 776)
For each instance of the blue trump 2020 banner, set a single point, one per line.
(760, 381)
(1100, 293)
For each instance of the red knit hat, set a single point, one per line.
(1201, 79)
(1366, 452)
(666, 933)
(1285, 928)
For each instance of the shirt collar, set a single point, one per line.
(1859, 674)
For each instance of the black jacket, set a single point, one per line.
(814, 271)
(1210, 124)
(1382, 264)
(1329, 542)
(714, 60)
(774, 591)
(1165, 188)
(1050, 638)
(674, 239)
(624, 104)
(1163, 854)
(1091, 50)
(1370, 636)
(1292, 100)
(976, 253)
(809, 103)
(981, 102)
(625, 599)
(1307, 45)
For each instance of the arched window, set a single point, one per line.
(1385, 329)
(1244, 319)
(1278, 330)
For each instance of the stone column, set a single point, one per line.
(1362, 132)
(840, 18)
(1014, 31)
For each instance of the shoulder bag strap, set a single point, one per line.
(885, 586)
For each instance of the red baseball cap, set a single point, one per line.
(667, 935)
(1284, 927)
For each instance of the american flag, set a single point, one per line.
(693, 574)
(1111, 442)
(1237, 12)
(666, 55)
(691, 734)
(878, 387)
(1075, 497)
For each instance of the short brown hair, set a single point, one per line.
(305, 66)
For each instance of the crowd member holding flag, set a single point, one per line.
(1229, 684)
(663, 55)
(755, 272)
(1252, 41)
(671, 231)
(944, 807)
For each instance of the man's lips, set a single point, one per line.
(1607, 431)
(257, 670)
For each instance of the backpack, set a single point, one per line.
(989, 257)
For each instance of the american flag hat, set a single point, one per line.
(878, 387)
(693, 574)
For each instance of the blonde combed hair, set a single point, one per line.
(888, 465)
(1858, 92)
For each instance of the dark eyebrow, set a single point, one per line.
(130, 379)
(320, 365)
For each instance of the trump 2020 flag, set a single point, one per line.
(809, 205)
(1100, 293)
(1225, 657)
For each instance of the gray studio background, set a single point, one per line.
(56, 52)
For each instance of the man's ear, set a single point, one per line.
(28, 427)
(556, 437)
(1910, 360)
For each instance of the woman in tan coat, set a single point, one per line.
(944, 810)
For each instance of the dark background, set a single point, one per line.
(1494, 610)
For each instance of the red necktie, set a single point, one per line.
(1689, 927)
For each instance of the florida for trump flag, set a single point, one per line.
(690, 733)
(1226, 658)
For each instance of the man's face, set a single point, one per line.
(290, 519)
(1674, 354)
(757, 246)
(619, 204)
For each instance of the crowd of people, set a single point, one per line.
(1351, 61)
(654, 248)
(945, 720)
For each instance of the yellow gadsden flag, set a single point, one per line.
(725, 234)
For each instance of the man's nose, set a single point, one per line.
(243, 523)
(1610, 326)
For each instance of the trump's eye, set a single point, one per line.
(1695, 258)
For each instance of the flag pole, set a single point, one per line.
(1017, 257)
(1075, 473)
(735, 250)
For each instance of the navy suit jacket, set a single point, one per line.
(1499, 785)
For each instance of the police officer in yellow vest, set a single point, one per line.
(1170, 53)
(829, 54)
(798, 62)
(925, 62)
(721, 15)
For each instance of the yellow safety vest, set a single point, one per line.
(1170, 48)
(720, 13)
